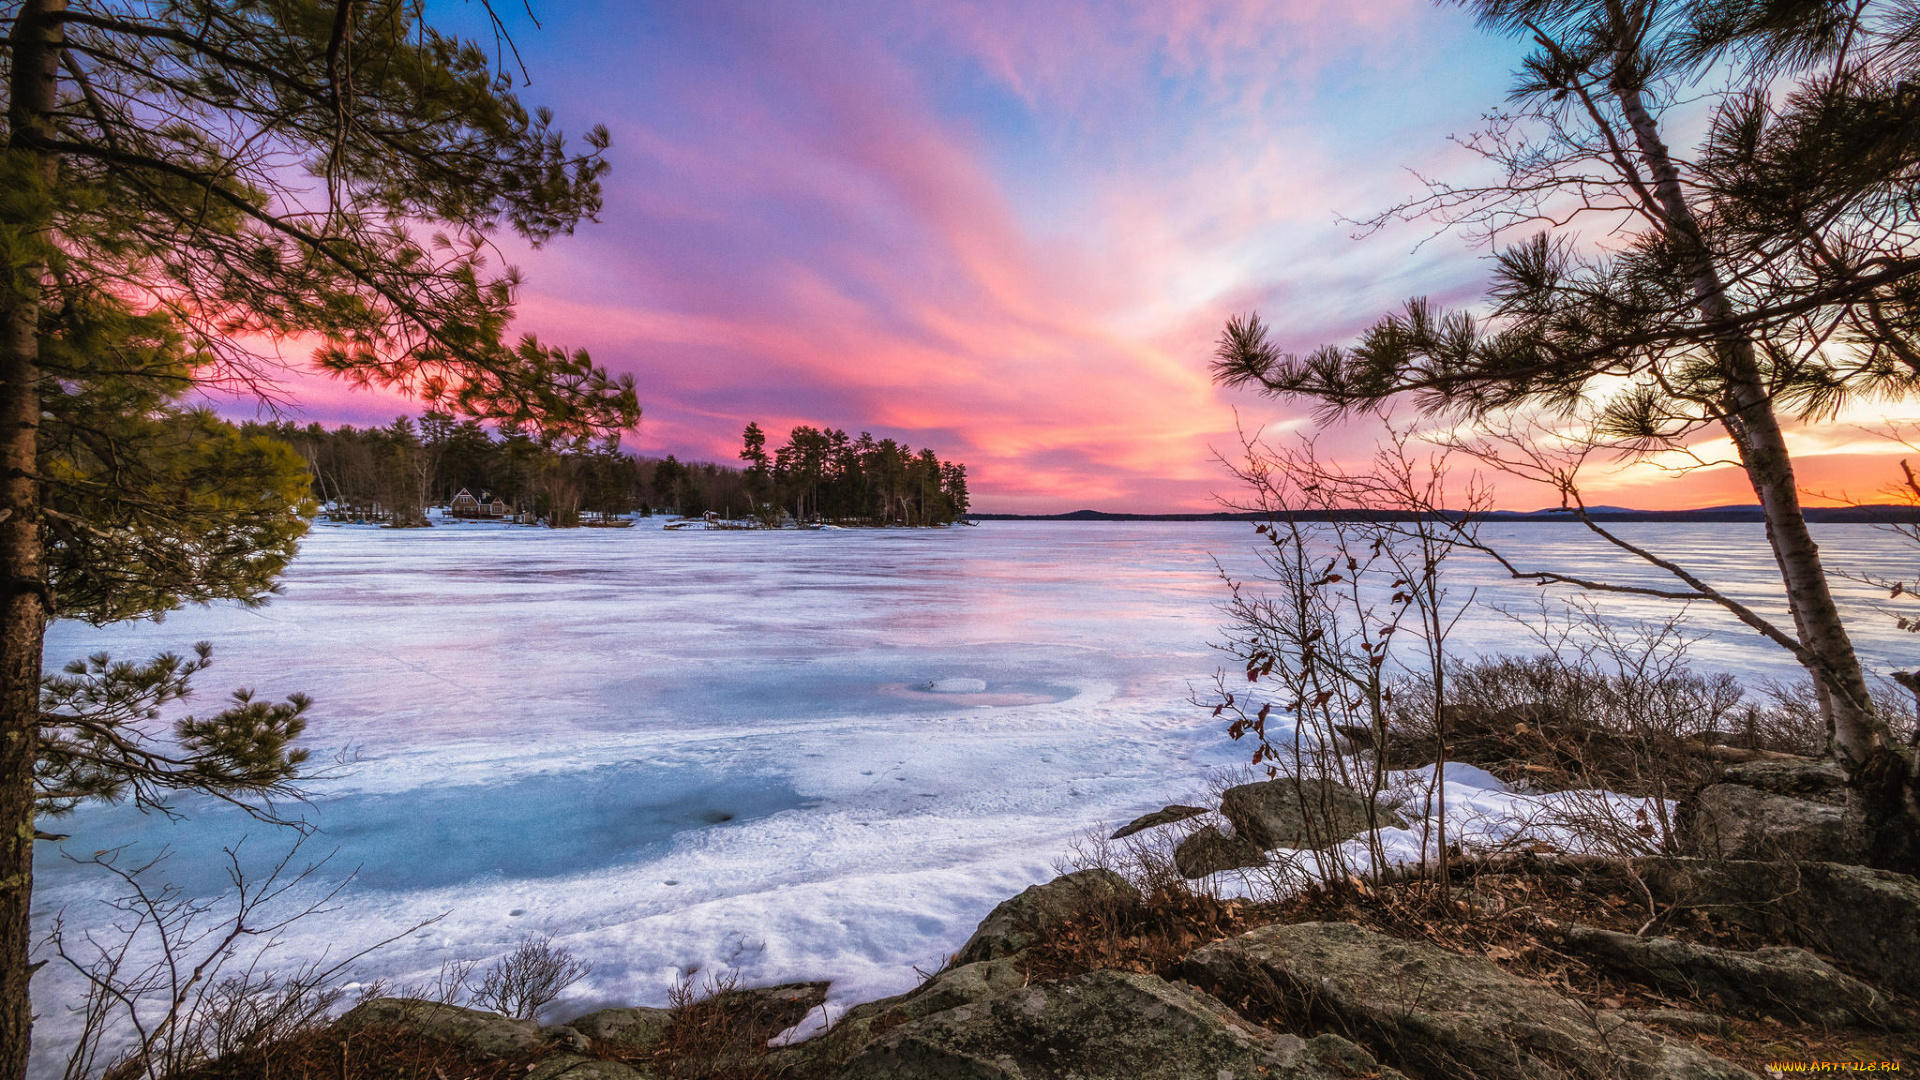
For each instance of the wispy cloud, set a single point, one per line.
(1007, 230)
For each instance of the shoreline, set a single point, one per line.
(1878, 514)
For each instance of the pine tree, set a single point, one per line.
(147, 504)
(1769, 276)
(753, 451)
(667, 476)
(180, 177)
(953, 483)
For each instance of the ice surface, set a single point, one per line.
(800, 755)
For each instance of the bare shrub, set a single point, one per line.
(1345, 601)
(175, 981)
(1604, 708)
(449, 987)
(1787, 716)
(370, 1052)
(1173, 916)
(529, 978)
(1144, 859)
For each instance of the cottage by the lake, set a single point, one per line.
(464, 505)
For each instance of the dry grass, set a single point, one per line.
(1550, 725)
(371, 1053)
(719, 1032)
(1150, 938)
(1512, 913)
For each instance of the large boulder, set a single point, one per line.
(1688, 1020)
(862, 1024)
(634, 1028)
(1814, 779)
(1438, 1012)
(1166, 815)
(1733, 821)
(1782, 982)
(1104, 1025)
(484, 1033)
(1869, 919)
(959, 986)
(1296, 813)
(578, 1067)
(1019, 922)
(1207, 850)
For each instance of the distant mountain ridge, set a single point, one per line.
(1878, 513)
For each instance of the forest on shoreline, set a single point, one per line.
(396, 472)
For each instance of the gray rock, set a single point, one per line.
(1818, 780)
(634, 1028)
(484, 1033)
(563, 1035)
(1438, 1012)
(1166, 815)
(1782, 982)
(575, 1067)
(1685, 1019)
(1732, 821)
(1869, 919)
(954, 987)
(1105, 1025)
(1300, 813)
(1207, 850)
(1019, 922)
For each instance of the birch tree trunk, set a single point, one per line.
(1884, 807)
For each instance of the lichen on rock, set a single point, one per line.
(1301, 813)
(1104, 1024)
(1017, 923)
(1438, 1012)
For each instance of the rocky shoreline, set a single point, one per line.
(1744, 961)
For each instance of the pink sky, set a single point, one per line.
(1007, 231)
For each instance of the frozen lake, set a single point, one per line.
(693, 750)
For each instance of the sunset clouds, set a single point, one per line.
(1007, 230)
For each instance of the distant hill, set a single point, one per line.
(1880, 513)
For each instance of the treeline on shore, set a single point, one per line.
(820, 474)
(394, 473)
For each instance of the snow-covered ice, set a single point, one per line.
(797, 755)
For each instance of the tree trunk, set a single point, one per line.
(35, 44)
(1883, 805)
